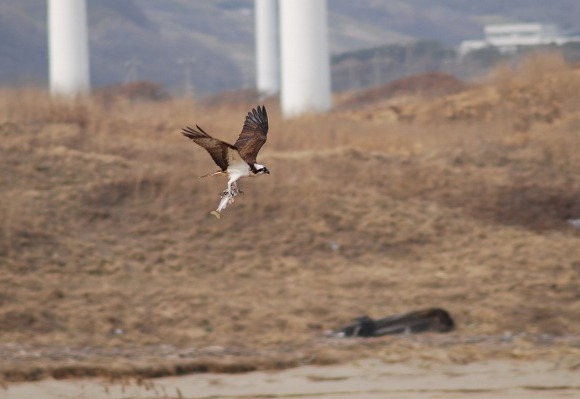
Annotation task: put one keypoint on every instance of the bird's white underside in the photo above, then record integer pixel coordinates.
(237, 168)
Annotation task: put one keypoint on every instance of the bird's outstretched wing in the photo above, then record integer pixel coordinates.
(220, 151)
(253, 135)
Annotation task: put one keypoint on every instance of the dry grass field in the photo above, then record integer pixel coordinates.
(110, 264)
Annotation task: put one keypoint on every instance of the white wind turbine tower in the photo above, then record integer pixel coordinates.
(267, 54)
(304, 57)
(68, 47)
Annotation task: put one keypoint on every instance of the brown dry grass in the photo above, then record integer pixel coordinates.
(541, 89)
(105, 242)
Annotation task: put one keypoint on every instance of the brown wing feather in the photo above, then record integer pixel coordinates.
(253, 135)
(217, 149)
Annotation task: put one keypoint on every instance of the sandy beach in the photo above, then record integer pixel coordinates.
(365, 379)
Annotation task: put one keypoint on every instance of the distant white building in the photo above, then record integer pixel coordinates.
(508, 37)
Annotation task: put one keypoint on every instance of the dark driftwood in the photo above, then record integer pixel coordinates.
(428, 320)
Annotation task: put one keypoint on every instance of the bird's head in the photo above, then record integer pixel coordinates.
(261, 169)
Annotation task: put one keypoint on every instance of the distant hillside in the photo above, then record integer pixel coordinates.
(158, 41)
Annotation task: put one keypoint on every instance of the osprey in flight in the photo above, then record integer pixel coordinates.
(238, 160)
